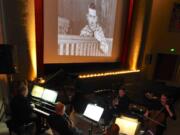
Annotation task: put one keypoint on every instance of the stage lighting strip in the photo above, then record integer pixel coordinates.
(107, 74)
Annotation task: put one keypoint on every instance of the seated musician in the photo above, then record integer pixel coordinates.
(61, 123)
(21, 109)
(159, 113)
(123, 102)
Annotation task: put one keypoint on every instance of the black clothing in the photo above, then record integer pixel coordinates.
(62, 125)
(123, 104)
(160, 129)
(121, 108)
(21, 110)
(22, 114)
(161, 112)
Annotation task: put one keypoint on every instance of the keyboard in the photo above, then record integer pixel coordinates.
(40, 111)
(42, 107)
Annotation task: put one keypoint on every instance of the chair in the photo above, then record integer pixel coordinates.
(24, 129)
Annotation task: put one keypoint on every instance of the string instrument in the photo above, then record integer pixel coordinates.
(156, 117)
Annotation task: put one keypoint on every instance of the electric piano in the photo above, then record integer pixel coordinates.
(43, 108)
(43, 100)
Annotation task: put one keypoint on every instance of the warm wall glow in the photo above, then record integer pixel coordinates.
(107, 73)
(137, 34)
(135, 54)
(30, 23)
(127, 125)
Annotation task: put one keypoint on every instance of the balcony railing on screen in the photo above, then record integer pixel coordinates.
(74, 45)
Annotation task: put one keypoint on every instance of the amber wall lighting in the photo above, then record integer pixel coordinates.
(92, 75)
(137, 27)
(30, 25)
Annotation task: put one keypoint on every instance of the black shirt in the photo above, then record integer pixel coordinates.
(162, 112)
(60, 124)
(123, 104)
(21, 109)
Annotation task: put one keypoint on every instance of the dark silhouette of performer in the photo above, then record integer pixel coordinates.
(21, 109)
(159, 112)
(119, 106)
(20, 106)
(61, 123)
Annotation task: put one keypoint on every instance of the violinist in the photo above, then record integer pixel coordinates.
(158, 114)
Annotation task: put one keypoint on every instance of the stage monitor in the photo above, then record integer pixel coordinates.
(37, 91)
(93, 112)
(49, 95)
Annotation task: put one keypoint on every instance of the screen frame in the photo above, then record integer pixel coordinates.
(117, 40)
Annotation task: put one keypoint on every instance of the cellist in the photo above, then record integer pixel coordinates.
(160, 111)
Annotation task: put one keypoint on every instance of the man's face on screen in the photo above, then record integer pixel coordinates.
(92, 20)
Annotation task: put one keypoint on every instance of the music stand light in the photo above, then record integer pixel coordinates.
(94, 113)
(127, 125)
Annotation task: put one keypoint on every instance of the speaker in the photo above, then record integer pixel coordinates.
(6, 59)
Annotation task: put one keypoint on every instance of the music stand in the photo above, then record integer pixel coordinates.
(94, 113)
(127, 125)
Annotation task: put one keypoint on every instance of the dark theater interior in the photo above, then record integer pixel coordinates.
(89, 67)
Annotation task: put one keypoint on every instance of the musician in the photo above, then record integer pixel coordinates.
(120, 105)
(123, 102)
(21, 109)
(162, 109)
(61, 123)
